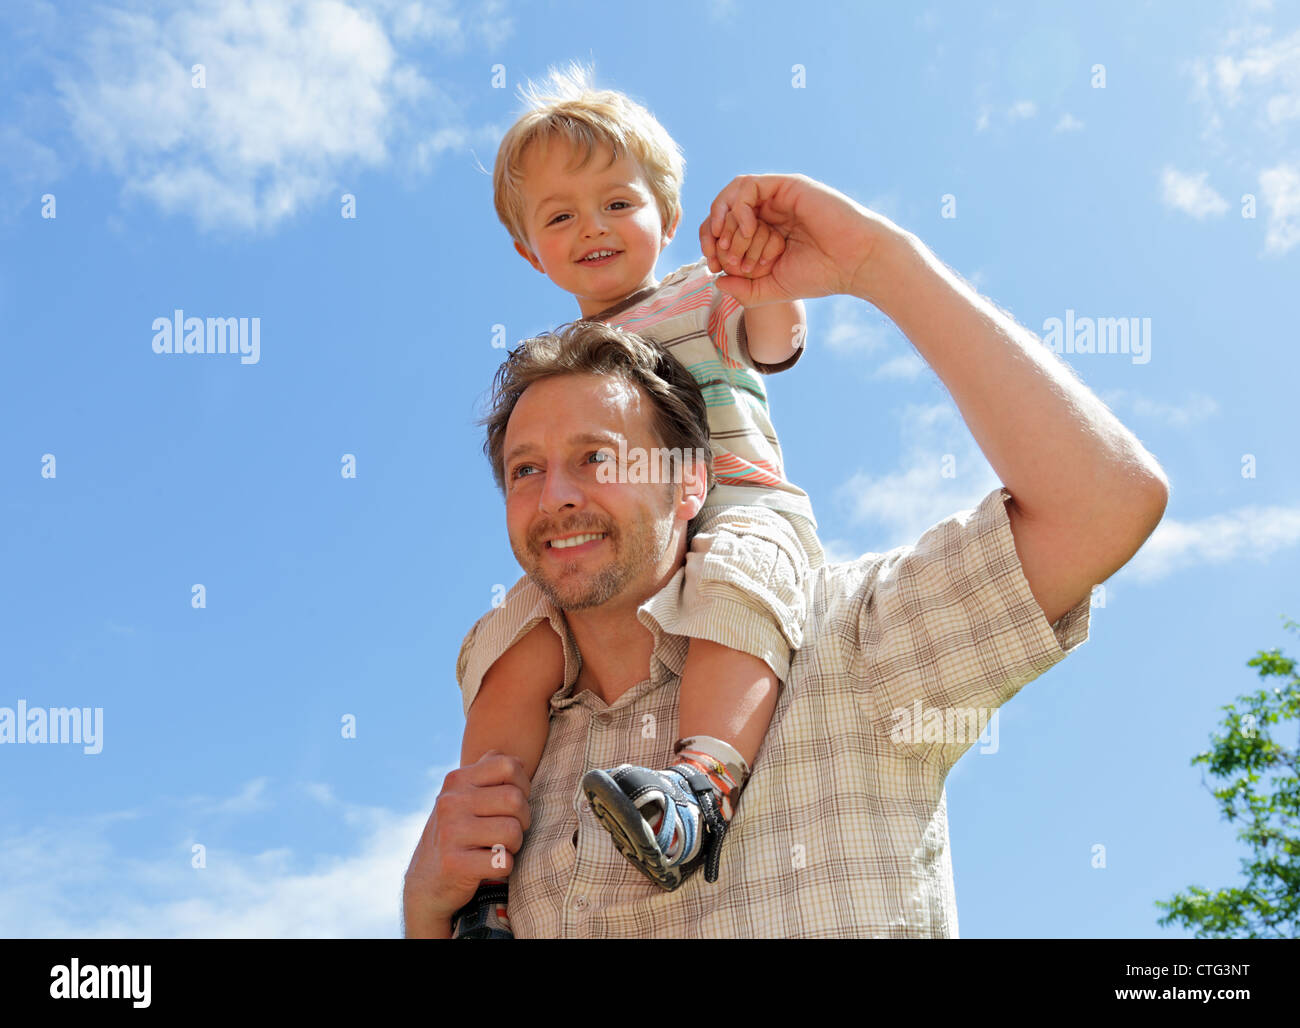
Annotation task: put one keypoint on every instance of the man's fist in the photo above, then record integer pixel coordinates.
(477, 825)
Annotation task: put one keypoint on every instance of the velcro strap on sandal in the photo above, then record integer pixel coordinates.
(637, 781)
(715, 825)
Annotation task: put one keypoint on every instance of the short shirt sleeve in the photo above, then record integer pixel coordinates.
(500, 628)
(949, 630)
(730, 338)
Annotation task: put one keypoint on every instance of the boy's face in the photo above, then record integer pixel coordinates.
(605, 208)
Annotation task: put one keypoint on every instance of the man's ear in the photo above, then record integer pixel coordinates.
(527, 255)
(695, 487)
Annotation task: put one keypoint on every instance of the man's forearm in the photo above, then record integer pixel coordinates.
(429, 930)
(1063, 456)
(418, 923)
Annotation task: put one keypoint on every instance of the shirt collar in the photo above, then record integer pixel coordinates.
(642, 295)
(667, 660)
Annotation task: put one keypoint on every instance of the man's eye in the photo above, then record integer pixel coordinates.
(519, 471)
(600, 456)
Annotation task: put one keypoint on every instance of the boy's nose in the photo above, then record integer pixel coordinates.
(593, 225)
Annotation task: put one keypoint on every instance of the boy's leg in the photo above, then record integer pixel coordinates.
(728, 695)
(662, 820)
(750, 594)
(510, 714)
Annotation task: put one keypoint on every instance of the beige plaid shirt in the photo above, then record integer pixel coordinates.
(843, 830)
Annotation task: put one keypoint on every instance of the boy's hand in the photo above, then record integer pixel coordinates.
(747, 246)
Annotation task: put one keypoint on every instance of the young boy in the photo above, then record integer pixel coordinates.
(588, 184)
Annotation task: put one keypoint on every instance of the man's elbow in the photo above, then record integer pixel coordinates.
(1158, 490)
(1150, 500)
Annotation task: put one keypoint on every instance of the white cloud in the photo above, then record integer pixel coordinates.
(427, 150)
(1068, 123)
(1191, 194)
(1249, 533)
(68, 880)
(1280, 186)
(898, 506)
(1251, 94)
(440, 21)
(26, 160)
(840, 551)
(890, 204)
(298, 96)
(1267, 65)
(1282, 108)
(252, 797)
(906, 366)
(856, 328)
(1197, 407)
(31, 167)
(1021, 109)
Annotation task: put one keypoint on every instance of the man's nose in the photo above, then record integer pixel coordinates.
(562, 492)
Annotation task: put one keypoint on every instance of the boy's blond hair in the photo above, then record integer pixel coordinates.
(568, 106)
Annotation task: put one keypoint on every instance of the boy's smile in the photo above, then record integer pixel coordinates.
(594, 230)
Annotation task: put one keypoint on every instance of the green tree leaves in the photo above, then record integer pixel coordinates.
(1262, 793)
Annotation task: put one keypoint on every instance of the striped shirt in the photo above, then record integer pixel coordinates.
(843, 829)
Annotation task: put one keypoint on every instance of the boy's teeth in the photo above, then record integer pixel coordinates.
(577, 540)
(599, 254)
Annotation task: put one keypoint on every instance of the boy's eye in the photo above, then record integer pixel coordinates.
(556, 219)
(620, 203)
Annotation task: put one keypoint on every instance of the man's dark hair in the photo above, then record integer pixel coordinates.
(593, 348)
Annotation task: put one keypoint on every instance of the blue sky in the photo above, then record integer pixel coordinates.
(1097, 163)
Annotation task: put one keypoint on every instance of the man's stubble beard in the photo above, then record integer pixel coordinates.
(635, 550)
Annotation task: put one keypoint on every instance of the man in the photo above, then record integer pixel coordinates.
(843, 828)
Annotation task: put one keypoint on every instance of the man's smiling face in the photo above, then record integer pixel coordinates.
(587, 539)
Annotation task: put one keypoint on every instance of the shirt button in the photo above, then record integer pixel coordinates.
(580, 903)
(586, 806)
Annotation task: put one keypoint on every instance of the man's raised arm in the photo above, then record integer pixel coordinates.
(1085, 493)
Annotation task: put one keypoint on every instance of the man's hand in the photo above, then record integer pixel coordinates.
(480, 806)
(828, 240)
